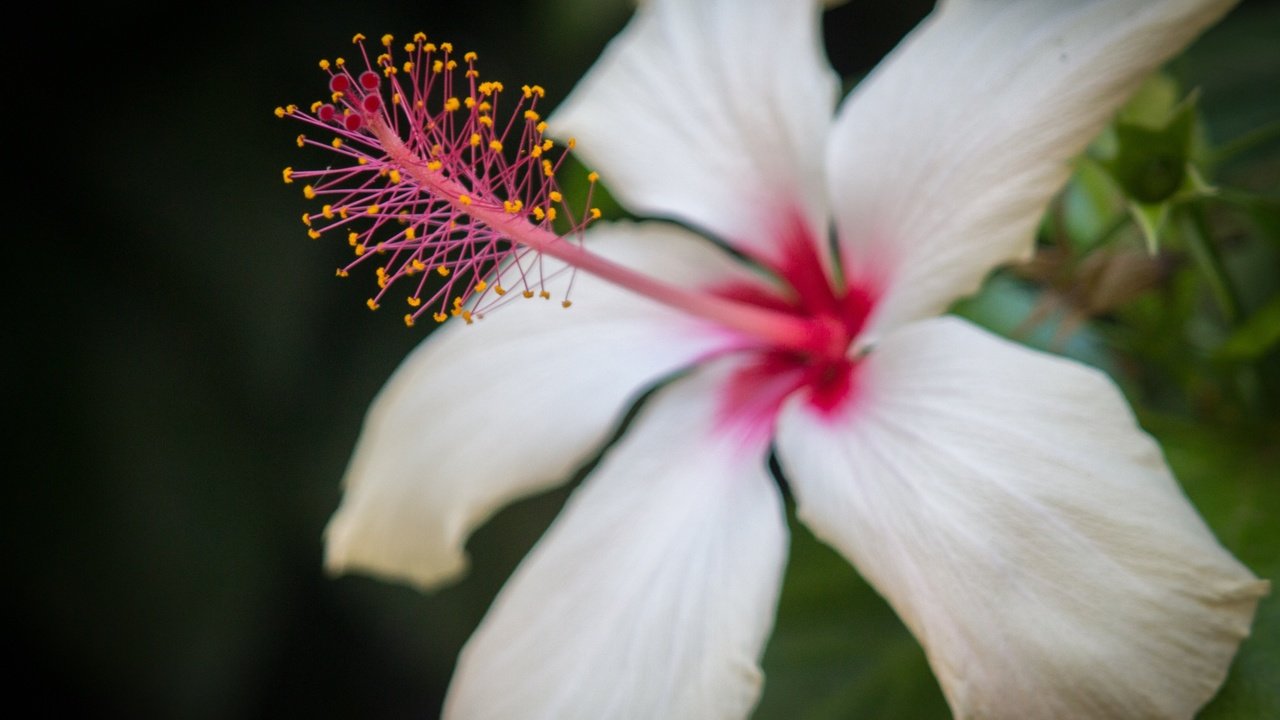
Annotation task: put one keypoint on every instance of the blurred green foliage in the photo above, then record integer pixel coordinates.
(190, 380)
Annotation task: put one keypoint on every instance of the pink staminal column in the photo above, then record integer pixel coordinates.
(449, 187)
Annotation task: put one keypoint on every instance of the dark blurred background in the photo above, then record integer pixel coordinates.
(187, 378)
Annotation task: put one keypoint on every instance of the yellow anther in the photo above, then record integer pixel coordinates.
(290, 109)
(544, 295)
(482, 286)
(437, 66)
(327, 211)
(359, 250)
(513, 206)
(337, 143)
(547, 168)
(452, 104)
(446, 47)
(353, 238)
(382, 59)
(536, 152)
(287, 173)
(475, 139)
(531, 116)
(324, 64)
(537, 90)
(337, 96)
(408, 321)
(555, 196)
(395, 98)
(528, 294)
(373, 304)
(566, 304)
(389, 70)
(339, 62)
(470, 57)
(279, 111)
(593, 176)
(573, 143)
(315, 106)
(362, 161)
(528, 91)
(485, 120)
(548, 144)
(451, 65)
(434, 165)
(539, 213)
(439, 317)
(551, 213)
(382, 248)
(387, 40)
(419, 37)
(541, 127)
(495, 146)
(457, 304)
(342, 213)
(309, 192)
(340, 273)
(442, 271)
(382, 282)
(313, 234)
(466, 316)
(408, 66)
(470, 102)
(473, 73)
(595, 213)
(410, 47)
(418, 265)
(499, 290)
(464, 199)
(306, 219)
(394, 176)
(302, 140)
(411, 234)
(372, 209)
(358, 37)
(429, 47)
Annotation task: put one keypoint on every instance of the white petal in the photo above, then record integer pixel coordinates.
(714, 112)
(943, 160)
(1027, 531)
(481, 415)
(652, 595)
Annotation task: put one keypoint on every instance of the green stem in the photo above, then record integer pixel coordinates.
(1246, 142)
(1199, 239)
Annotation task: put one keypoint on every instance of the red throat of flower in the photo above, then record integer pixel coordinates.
(826, 376)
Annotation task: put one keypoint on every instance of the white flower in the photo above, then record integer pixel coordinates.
(1004, 501)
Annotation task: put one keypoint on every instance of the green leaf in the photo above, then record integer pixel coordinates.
(1255, 336)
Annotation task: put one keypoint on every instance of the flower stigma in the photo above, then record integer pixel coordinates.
(448, 186)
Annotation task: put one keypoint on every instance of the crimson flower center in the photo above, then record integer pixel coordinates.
(825, 373)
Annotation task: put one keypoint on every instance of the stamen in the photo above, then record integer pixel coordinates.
(435, 181)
